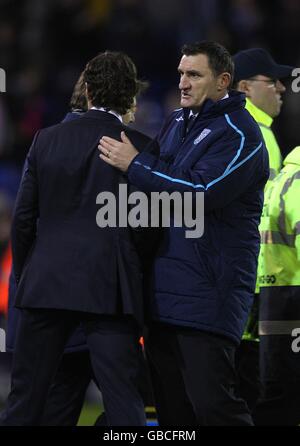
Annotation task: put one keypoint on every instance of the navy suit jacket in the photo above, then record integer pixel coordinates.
(66, 261)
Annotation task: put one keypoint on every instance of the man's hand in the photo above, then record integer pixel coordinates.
(117, 154)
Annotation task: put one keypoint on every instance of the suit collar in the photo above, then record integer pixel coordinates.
(101, 115)
(112, 112)
(70, 116)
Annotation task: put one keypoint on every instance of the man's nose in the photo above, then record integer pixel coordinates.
(280, 87)
(184, 83)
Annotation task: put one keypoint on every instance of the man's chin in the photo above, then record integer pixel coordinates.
(276, 112)
(185, 103)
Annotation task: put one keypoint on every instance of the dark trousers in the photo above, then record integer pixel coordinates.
(247, 360)
(247, 367)
(193, 378)
(112, 342)
(67, 392)
(280, 375)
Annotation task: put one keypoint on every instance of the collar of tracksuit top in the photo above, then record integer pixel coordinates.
(194, 115)
(211, 109)
(177, 134)
(259, 115)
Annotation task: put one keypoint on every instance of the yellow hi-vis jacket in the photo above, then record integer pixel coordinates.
(279, 261)
(275, 161)
(265, 121)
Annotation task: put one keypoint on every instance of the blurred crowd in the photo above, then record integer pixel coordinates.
(44, 45)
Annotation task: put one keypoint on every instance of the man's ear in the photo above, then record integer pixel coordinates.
(243, 86)
(224, 81)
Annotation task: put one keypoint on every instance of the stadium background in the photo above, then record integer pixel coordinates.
(44, 45)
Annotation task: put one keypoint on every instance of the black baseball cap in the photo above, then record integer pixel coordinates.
(249, 63)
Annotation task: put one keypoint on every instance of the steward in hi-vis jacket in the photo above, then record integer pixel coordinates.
(259, 77)
(279, 312)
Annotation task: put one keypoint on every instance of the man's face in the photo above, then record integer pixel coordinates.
(266, 93)
(197, 81)
(129, 117)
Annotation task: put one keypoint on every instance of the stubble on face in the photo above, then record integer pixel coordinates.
(197, 81)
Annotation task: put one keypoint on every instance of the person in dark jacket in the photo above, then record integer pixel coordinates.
(70, 271)
(66, 396)
(67, 392)
(202, 287)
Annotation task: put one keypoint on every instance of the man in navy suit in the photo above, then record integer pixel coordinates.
(67, 392)
(69, 271)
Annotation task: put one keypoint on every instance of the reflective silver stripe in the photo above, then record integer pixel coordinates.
(276, 238)
(273, 174)
(277, 327)
(281, 217)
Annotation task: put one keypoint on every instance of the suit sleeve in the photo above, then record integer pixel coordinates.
(227, 169)
(26, 213)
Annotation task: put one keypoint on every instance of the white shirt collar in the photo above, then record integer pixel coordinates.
(112, 112)
(193, 114)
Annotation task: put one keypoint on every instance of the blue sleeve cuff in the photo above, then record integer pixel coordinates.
(140, 162)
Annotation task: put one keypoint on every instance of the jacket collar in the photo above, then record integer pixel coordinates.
(259, 115)
(112, 112)
(70, 116)
(212, 109)
(102, 115)
(293, 157)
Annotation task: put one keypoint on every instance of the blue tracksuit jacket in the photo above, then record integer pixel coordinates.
(208, 283)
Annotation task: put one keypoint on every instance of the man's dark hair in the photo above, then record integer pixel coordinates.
(219, 59)
(142, 86)
(78, 100)
(111, 81)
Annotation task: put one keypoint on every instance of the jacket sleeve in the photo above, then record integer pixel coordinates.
(226, 170)
(292, 212)
(26, 213)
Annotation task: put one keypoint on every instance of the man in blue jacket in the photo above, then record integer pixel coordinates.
(202, 288)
